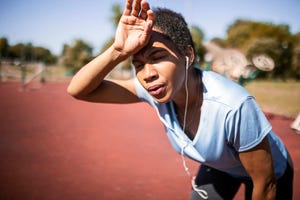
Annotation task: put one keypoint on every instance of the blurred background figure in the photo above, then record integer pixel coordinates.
(233, 64)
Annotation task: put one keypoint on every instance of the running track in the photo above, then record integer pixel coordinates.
(53, 147)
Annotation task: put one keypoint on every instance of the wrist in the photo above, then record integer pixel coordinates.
(117, 54)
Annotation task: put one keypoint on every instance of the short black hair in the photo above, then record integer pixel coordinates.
(174, 26)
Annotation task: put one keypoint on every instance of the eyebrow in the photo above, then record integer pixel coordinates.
(153, 51)
(148, 53)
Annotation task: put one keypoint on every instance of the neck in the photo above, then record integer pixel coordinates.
(194, 84)
(188, 110)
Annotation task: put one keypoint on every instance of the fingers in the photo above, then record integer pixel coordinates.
(145, 7)
(150, 16)
(150, 21)
(137, 8)
(128, 7)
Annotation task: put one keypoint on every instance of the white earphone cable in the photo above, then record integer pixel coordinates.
(202, 193)
(187, 92)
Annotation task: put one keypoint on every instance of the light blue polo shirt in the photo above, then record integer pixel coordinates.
(230, 122)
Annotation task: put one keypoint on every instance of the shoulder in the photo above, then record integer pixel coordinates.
(222, 90)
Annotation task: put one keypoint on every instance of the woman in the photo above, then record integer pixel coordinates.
(207, 117)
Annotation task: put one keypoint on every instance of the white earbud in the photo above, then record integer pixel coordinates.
(187, 61)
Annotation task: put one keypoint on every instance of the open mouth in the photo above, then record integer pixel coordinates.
(156, 90)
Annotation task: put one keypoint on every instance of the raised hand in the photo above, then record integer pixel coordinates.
(135, 27)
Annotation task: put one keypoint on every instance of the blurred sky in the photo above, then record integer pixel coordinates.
(53, 23)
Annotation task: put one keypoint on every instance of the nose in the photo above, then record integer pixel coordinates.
(149, 73)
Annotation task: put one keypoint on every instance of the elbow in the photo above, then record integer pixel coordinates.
(73, 92)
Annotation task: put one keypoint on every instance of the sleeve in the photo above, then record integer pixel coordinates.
(142, 93)
(247, 126)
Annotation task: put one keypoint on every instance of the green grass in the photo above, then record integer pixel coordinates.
(276, 97)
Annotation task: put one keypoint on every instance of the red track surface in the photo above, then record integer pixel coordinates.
(54, 147)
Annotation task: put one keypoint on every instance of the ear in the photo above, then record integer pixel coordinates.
(189, 52)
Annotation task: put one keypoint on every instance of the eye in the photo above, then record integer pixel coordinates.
(138, 65)
(158, 57)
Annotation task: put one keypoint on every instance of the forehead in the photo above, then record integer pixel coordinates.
(158, 40)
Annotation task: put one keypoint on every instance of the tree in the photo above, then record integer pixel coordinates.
(44, 55)
(219, 41)
(3, 47)
(29, 53)
(198, 36)
(107, 44)
(296, 56)
(16, 52)
(117, 14)
(259, 37)
(241, 33)
(270, 47)
(76, 55)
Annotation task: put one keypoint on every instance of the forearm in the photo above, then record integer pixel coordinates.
(258, 163)
(265, 192)
(90, 76)
(133, 33)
